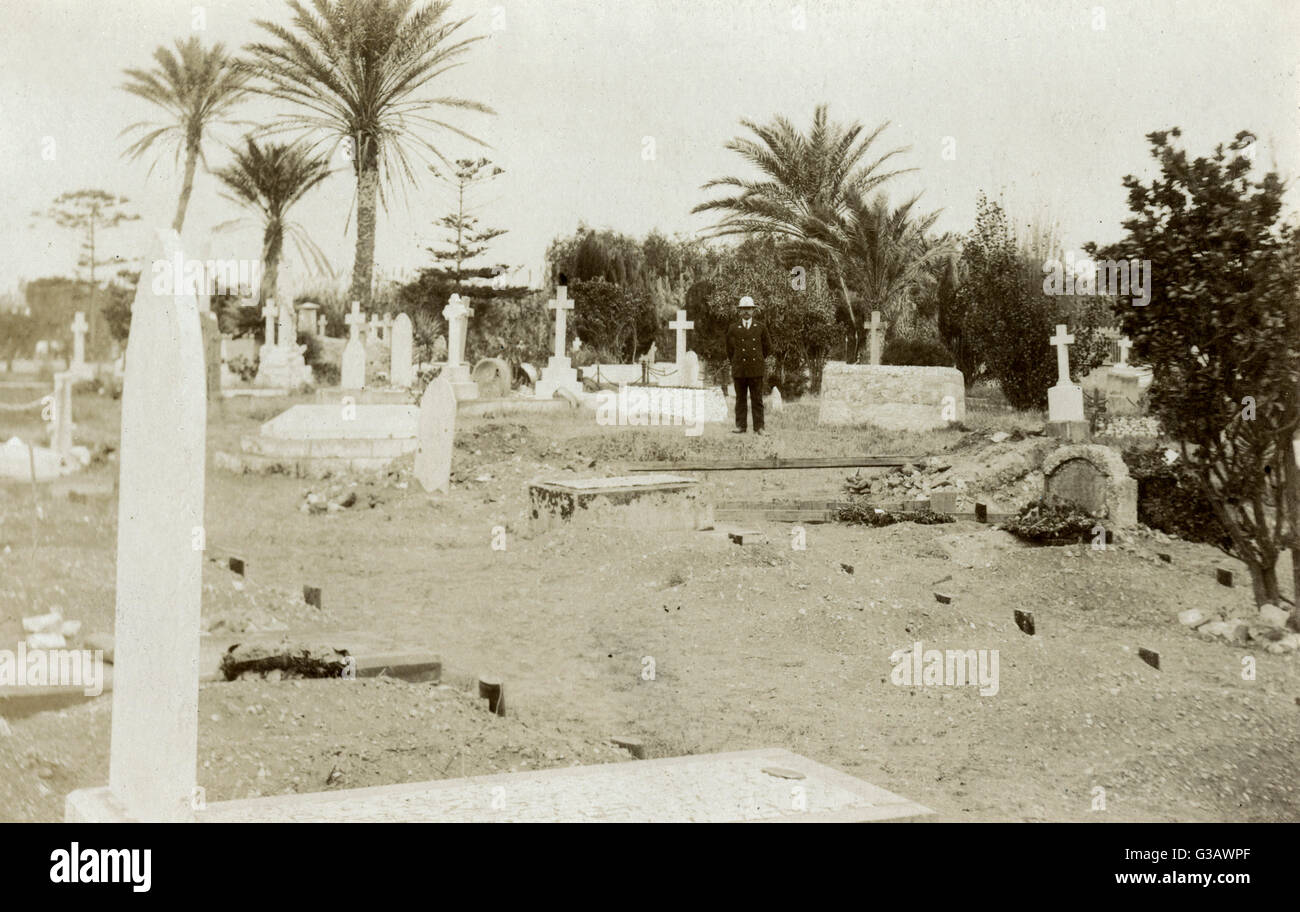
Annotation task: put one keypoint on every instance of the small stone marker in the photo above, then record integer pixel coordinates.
(1025, 621)
(311, 595)
(847, 568)
(437, 432)
(1167, 558)
(736, 537)
(632, 745)
(236, 565)
(981, 512)
(943, 598)
(401, 372)
(1151, 658)
(493, 691)
(1223, 575)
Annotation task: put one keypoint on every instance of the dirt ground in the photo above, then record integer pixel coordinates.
(756, 645)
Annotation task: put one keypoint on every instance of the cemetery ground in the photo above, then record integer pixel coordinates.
(753, 645)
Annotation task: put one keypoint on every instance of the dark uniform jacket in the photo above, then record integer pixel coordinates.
(748, 349)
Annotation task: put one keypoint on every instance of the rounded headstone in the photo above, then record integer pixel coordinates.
(493, 378)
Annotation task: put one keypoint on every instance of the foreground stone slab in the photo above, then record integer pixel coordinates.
(650, 501)
(770, 785)
(892, 397)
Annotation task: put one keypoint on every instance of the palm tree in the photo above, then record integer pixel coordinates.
(885, 253)
(197, 87)
(354, 70)
(805, 185)
(270, 180)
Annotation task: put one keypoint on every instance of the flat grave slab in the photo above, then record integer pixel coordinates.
(769, 785)
(562, 498)
(334, 422)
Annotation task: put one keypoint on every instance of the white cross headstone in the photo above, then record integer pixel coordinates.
(1062, 340)
(1125, 343)
(559, 373)
(1065, 399)
(154, 747)
(401, 372)
(457, 314)
(79, 327)
(874, 327)
(681, 324)
(561, 305)
(436, 432)
(353, 374)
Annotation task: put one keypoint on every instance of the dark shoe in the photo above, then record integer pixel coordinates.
(759, 434)
(737, 430)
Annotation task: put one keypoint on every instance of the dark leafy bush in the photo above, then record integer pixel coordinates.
(1171, 499)
(917, 352)
(1049, 521)
(862, 513)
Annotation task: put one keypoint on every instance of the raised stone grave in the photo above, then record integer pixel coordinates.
(1094, 478)
(565, 498)
(894, 397)
(316, 440)
(770, 785)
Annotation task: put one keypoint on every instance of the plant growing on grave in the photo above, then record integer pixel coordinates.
(1222, 334)
(270, 180)
(804, 186)
(197, 88)
(916, 352)
(1050, 520)
(862, 513)
(358, 75)
(1008, 318)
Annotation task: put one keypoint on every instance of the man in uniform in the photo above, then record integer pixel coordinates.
(748, 346)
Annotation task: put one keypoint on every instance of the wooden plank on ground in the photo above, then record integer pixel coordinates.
(796, 462)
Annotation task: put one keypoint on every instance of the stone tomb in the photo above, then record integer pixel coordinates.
(314, 440)
(642, 501)
(153, 768)
(1093, 477)
(894, 397)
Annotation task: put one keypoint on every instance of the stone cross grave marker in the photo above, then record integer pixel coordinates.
(681, 324)
(154, 746)
(1062, 340)
(1125, 343)
(876, 336)
(437, 432)
(401, 372)
(1065, 399)
(561, 305)
(269, 313)
(354, 353)
(457, 314)
(79, 327)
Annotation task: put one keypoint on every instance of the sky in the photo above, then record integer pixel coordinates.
(1044, 106)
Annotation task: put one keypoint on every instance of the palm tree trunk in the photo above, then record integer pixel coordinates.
(363, 265)
(191, 160)
(272, 243)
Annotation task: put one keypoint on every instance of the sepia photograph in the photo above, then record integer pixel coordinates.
(676, 411)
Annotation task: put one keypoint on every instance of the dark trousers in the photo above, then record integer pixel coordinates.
(745, 387)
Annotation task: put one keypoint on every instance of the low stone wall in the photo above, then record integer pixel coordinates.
(894, 397)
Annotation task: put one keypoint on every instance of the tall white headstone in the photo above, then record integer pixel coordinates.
(159, 555)
(1065, 399)
(681, 324)
(559, 372)
(436, 431)
(402, 372)
(354, 353)
(877, 337)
